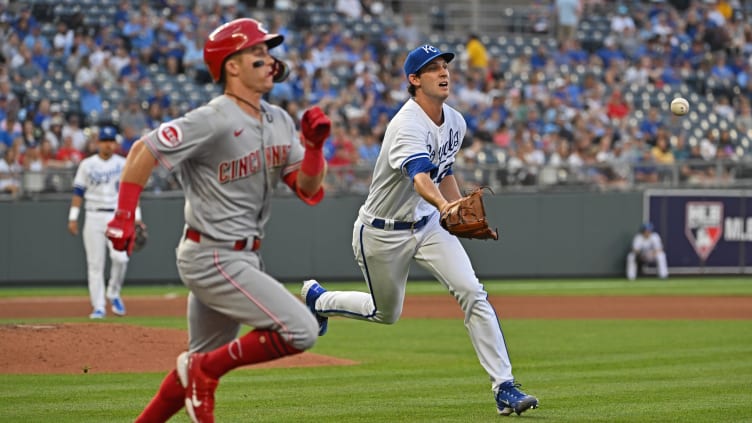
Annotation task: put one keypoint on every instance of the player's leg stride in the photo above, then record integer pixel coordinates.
(510, 399)
(199, 388)
(310, 293)
(168, 400)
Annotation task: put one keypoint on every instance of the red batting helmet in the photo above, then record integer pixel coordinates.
(232, 37)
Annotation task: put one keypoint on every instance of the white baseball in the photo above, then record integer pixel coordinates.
(679, 106)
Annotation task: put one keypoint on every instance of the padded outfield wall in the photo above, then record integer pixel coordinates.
(541, 235)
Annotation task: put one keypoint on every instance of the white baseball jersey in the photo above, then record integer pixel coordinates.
(97, 181)
(411, 135)
(647, 246)
(384, 246)
(650, 250)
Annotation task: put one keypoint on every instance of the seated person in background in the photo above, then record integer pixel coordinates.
(646, 248)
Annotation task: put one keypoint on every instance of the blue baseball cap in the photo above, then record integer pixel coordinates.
(647, 226)
(421, 56)
(107, 133)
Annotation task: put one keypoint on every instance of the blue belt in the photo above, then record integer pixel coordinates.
(103, 210)
(400, 226)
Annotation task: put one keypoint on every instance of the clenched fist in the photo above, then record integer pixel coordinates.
(121, 231)
(315, 127)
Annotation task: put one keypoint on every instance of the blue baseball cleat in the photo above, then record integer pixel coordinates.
(97, 314)
(118, 307)
(310, 293)
(510, 399)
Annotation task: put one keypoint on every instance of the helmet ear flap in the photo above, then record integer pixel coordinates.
(281, 70)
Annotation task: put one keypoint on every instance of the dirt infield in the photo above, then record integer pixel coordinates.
(71, 348)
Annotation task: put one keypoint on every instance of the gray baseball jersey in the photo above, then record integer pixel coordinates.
(228, 162)
(228, 185)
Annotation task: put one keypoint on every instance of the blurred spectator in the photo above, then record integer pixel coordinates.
(91, 101)
(130, 136)
(30, 133)
(73, 129)
(54, 133)
(23, 69)
(134, 71)
(31, 159)
(696, 169)
(10, 129)
(622, 23)
(477, 56)
(68, 155)
(10, 171)
(345, 151)
(408, 32)
(568, 14)
(650, 124)
(133, 116)
(645, 170)
(369, 150)
(350, 8)
(63, 38)
(86, 73)
(617, 107)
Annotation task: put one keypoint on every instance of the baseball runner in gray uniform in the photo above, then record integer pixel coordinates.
(399, 223)
(229, 155)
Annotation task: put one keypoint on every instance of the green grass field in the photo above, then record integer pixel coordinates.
(426, 371)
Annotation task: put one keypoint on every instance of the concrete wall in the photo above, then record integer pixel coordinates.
(542, 235)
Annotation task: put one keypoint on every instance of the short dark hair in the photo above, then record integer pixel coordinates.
(410, 87)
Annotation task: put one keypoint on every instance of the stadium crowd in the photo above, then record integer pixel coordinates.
(588, 105)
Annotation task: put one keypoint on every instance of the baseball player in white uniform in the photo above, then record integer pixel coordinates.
(97, 179)
(229, 155)
(399, 223)
(646, 248)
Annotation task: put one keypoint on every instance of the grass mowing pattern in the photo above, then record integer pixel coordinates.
(426, 371)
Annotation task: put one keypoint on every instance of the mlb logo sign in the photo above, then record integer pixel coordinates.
(704, 226)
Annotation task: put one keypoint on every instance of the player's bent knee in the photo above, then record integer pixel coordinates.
(307, 336)
(386, 319)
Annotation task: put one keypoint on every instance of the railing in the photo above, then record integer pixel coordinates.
(345, 180)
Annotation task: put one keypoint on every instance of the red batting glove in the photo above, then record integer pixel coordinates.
(316, 127)
(121, 231)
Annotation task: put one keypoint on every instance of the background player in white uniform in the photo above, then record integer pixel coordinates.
(646, 248)
(97, 179)
(229, 155)
(399, 223)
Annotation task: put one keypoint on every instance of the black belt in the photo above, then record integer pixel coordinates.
(400, 226)
(104, 210)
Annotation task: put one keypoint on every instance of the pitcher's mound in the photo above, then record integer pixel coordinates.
(71, 348)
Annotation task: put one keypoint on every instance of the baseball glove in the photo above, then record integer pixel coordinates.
(140, 236)
(466, 217)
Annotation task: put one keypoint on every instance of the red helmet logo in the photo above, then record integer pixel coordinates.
(232, 37)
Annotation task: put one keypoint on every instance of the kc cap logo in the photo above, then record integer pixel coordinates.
(421, 56)
(107, 133)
